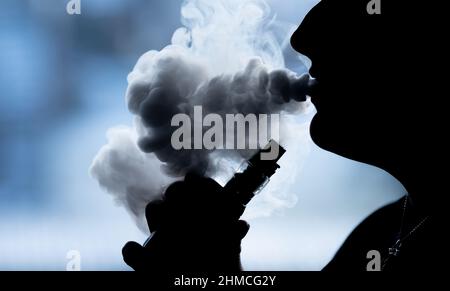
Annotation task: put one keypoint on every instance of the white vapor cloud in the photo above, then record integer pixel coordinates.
(130, 175)
(228, 58)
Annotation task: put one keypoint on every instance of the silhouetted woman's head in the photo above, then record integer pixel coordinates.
(373, 94)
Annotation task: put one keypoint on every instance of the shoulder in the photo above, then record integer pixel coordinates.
(371, 234)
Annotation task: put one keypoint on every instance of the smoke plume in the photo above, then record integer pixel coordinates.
(227, 58)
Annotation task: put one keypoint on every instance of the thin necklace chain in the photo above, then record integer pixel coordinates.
(399, 237)
(395, 249)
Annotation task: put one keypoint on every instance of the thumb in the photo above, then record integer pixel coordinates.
(242, 228)
(133, 255)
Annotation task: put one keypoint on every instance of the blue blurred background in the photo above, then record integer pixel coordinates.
(62, 85)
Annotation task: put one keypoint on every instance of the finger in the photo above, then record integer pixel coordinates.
(154, 214)
(195, 186)
(133, 255)
(175, 191)
(192, 177)
(230, 236)
(242, 228)
(212, 185)
(238, 231)
(202, 188)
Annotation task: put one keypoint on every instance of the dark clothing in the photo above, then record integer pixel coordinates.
(380, 232)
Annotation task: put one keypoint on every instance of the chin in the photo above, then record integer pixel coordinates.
(330, 137)
(320, 135)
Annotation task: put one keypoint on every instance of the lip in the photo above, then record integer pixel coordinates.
(314, 92)
(313, 72)
(313, 86)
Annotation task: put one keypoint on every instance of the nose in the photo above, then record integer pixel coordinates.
(299, 40)
(303, 39)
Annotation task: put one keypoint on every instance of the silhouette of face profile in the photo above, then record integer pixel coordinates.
(343, 43)
(372, 84)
